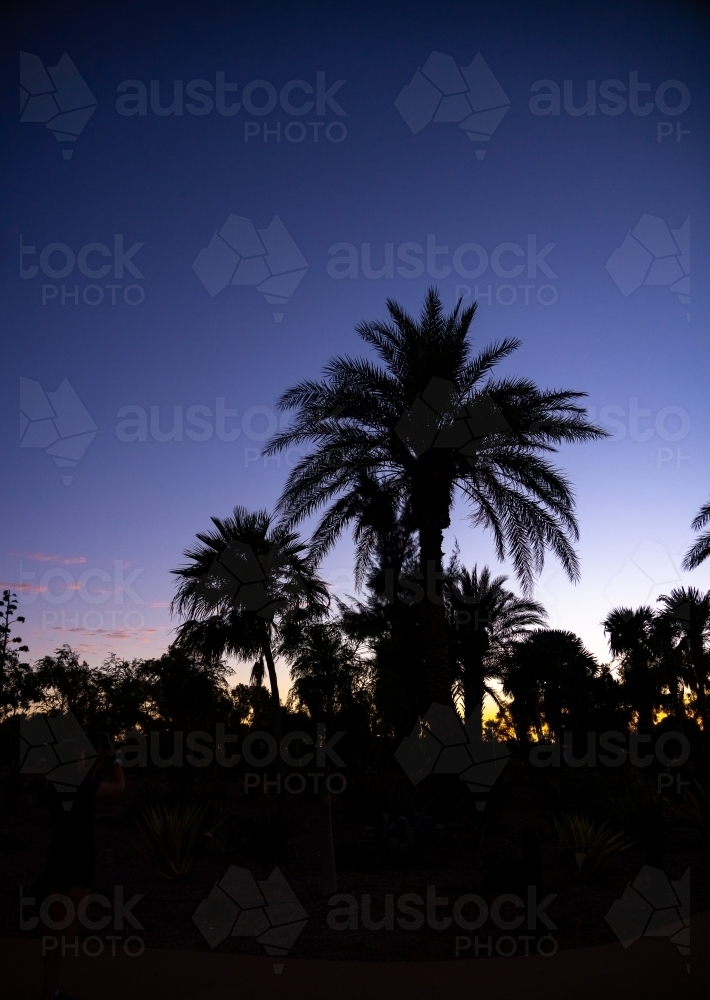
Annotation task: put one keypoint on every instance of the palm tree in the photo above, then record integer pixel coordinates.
(633, 642)
(700, 551)
(485, 619)
(328, 673)
(549, 675)
(687, 610)
(426, 424)
(245, 579)
(325, 666)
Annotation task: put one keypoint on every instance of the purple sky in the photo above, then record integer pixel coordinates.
(570, 228)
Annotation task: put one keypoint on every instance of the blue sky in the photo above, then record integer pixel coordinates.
(93, 557)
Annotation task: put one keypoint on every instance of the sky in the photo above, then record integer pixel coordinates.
(548, 160)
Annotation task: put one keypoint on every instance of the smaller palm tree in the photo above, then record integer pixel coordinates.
(687, 611)
(244, 581)
(485, 619)
(700, 550)
(327, 673)
(326, 668)
(549, 675)
(633, 640)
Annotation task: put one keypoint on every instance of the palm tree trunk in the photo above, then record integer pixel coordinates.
(273, 684)
(278, 728)
(436, 647)
(678, 691)
(473, 685)
(645, 719)
(329, 875)
(702, 701)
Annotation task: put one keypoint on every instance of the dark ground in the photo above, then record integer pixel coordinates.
(476, 858)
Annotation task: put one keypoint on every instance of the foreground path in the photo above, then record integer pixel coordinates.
(651, 968)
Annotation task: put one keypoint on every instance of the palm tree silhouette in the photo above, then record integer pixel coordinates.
(633, 641)
(281, 586)
(327, 673)
(687, 610)
(549, 674)
(428, 423)
(700, 550)
(486, 618)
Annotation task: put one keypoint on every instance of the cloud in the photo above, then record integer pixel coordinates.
(45, 557)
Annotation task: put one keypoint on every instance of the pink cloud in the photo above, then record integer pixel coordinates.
(25, 588)
(45, 557)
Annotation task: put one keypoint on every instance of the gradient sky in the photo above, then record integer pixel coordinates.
(169, 182)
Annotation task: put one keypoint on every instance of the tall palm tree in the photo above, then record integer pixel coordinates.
(632, 638)
(687, 610)
(244, 580)
(485, 619)
(700, 550)
(428, 423)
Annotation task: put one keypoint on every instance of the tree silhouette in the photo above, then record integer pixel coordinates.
(241, 615)
(549, 676)
(14, 676)
(687, 611)
(632, 638)
(700, 550)
(485, 619)
(426, 424)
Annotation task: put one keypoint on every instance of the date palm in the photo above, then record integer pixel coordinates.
(218, 623)
(700, 550)
(428, 423)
